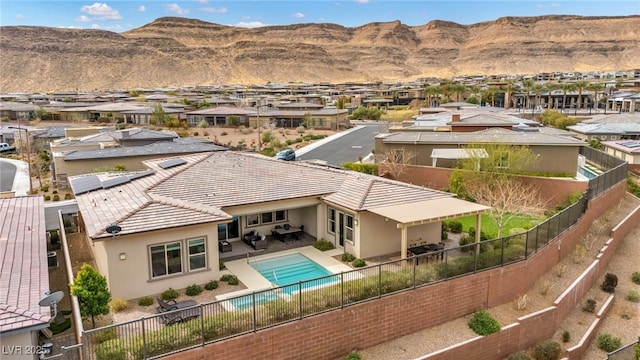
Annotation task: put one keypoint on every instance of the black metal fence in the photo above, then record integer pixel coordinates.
(627, 352)
(151, 337)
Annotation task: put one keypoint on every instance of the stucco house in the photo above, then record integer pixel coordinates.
(556, 154)
(25, 275)
(171, 217)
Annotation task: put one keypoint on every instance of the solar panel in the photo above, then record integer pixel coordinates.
(85, 184)
(115, 182)
(141, 174)
(172, 163)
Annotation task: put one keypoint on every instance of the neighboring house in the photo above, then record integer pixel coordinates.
(606, 131)
(219, 116)
(477, 121)
(318, 119)
(627, 150)
(144, 115)
(171, 217)
(76, 162)
(556, 154)
(17, 111)
(24, 276)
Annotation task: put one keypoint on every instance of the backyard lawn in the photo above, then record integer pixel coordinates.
(490, 228)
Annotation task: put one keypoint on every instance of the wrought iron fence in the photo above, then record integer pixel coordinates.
(627, 352)
(159, 335)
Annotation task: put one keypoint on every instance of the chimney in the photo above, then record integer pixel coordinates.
(455, 117)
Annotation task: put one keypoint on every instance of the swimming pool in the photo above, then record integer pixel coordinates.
(291, 269)
(587, 173)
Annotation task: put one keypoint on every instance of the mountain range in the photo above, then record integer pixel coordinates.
(178, 51)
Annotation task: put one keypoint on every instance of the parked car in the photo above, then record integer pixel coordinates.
(6, 148)
(286, 154)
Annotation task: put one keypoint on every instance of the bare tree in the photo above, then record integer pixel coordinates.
(395, 162)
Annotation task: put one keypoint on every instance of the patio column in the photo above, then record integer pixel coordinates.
(403, 241)
(478, 230)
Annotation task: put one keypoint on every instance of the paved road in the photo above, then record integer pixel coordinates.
(348, 147)
(7, 173)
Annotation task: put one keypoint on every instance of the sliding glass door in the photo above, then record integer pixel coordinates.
(229, 231)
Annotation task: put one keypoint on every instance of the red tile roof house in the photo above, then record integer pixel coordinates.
(172, 216)
(24, 275)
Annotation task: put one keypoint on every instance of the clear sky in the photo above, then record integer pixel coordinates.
(123, 15)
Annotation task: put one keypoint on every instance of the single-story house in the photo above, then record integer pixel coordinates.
(606, 131)
(314, 118)
(25, 276)
(557, 154)
(219, 116)
(627, 150)
(160, 228)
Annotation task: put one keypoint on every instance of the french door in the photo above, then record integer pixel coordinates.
(230, 230)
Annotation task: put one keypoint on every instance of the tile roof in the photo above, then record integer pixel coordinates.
(24, 274)
(199, 190)
(167, 148)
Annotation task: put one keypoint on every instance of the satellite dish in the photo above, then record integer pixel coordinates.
(52, 300)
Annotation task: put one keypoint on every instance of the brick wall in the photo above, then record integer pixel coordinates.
(333, 334)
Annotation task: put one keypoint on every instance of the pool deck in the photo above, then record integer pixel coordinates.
(256, 282)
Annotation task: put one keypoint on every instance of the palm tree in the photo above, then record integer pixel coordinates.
(596, 88)
(550, 87)
(528, 85)
(458, 89)
(565, 88)
(432, 92)
(509, 88)
(580, 85)
(537, 89)
(490, 94)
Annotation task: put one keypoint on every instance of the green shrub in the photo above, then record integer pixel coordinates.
(455, 226)
(354, 355)
(221, 265)
(323, 245)
(566, 337)
(104, 335)
(233, 280)
(47, 198)
(358, 263)
(55, 192)
(145, 301)
(118, 305)
(58, 328)
(225, 277)
(348, 257)
(633, 296)
(224, 133)
(636, 349)
(193, 290)
(610, 282)
(56, 197)
(44, 188)
(169, 294)
(483, 324)
(547, 350)
(635, 277)
(68, 196)
(608, 343)
(211, 285)
(519, 356)
(111, 350)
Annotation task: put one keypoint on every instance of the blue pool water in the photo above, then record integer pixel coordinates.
(291, 269)
(246, 301)
(587, 173)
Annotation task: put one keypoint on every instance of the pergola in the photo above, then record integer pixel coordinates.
(429, 211)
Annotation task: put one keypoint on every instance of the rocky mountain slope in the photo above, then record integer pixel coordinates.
(178, 51)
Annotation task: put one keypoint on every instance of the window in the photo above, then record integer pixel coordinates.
(197, 254)
(253, 220)
(267, 218)
(348, 227)
(332, 220)
(166, 259)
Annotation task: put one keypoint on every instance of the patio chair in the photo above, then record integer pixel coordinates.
(174, 317)
(169, 305)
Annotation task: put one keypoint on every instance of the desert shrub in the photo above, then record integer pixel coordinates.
(300, 129)
(610, 282)
(323, 245)
(455, 226)
(55, 192)
(56, 197)
(145, 301)
(211, 285)
(44, 188)
(357, 263)
(633, 296)
(203, 124)
(608, 343)
(354, 355)
(68, 196)
(193, 290)
(636, 349)
(483, 324)
(225, 277)
(104, 335)
(118, 305)
(224, 133)
(635, 277)
(221, 265)
(348, 257)
(233, 280)
(519, 356)
(47, 198)
(169, 294)
(195, 133)
(566, 337)
(547, 350)
(111, 350)
(590, 306)
(545, 287)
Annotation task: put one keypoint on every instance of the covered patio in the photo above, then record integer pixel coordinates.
(426, 212)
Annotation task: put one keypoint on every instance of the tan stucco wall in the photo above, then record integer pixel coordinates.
(19, 346)
(78, 167)
(131, 278)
